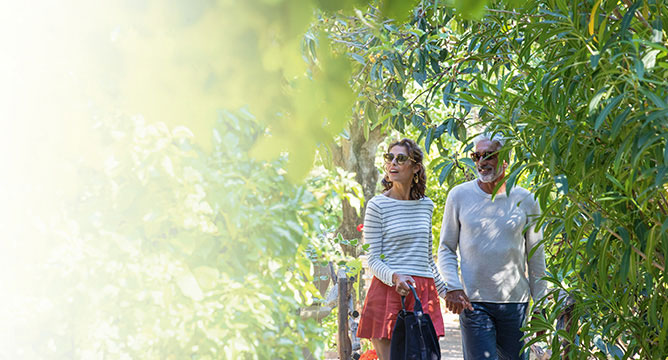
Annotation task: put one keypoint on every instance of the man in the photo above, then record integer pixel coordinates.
(495, 238)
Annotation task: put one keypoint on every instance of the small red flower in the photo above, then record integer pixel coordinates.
(360, 227)
(369, 355)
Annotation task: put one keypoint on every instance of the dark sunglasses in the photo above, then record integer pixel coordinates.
(476, 156)
(401, 158)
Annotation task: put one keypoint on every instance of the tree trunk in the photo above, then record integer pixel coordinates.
(357, 155)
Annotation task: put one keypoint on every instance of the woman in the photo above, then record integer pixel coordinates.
(397, 227)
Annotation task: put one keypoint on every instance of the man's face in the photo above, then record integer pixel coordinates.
(488, 169)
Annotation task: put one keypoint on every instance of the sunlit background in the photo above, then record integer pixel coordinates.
(117, 219)
(153, 202)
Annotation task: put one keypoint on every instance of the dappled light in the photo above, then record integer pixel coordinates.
(189, 179)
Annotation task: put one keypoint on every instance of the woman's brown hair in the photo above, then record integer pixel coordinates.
(415, 153)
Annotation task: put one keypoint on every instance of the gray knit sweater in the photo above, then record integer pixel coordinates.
(494, 239)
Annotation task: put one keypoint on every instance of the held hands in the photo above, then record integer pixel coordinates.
(401, 283)
(456, 301)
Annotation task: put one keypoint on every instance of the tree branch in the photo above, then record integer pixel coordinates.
(514, 13)
(350, 44)
(431, 87)
(638, 14)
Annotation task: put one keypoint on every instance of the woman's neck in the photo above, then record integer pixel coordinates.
(399, 191)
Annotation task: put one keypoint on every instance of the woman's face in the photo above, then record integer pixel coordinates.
(397, 172)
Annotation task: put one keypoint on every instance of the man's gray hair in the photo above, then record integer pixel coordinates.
(498, 137)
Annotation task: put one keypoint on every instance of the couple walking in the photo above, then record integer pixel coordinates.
(497, 275)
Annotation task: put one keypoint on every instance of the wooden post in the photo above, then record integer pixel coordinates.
(345, 346)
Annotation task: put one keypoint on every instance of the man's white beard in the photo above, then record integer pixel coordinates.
(491, 177)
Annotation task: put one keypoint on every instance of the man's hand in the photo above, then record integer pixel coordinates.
(456, 301)
(401, 283)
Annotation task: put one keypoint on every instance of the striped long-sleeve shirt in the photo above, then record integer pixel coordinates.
(400, 239)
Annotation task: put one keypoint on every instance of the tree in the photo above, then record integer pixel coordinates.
(138, 221)
(580, 90)
(173, 252)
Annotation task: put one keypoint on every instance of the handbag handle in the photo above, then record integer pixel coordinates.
(417, 308)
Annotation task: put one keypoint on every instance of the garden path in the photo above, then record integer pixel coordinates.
(451, 343)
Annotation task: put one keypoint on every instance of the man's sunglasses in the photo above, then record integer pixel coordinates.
(401, 158)
(476, 156)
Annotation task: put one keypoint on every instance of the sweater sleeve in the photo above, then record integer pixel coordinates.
(449, 240)
(536, 262)
(373, 236)
(438, 279)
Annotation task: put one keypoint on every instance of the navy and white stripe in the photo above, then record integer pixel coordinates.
(401, 231)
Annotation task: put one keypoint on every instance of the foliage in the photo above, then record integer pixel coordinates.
(602, 147)
(172, 252)
(142, 240)
(150, 239)
(176, 62)
(580, 91)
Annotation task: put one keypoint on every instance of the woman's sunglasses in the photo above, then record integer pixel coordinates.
(476, 156)
(401, 158)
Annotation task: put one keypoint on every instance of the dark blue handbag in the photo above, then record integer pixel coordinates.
(414, 336)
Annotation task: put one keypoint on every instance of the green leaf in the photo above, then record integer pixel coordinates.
(639, 68)
(663, 335)
(649, 60)
(617, 123)
(593, 104)
(445, 172)
(472, 9)
(624, 234)
(606, 110)
(655, 99)
(371, 113)
(562, 184)
(555, 14)
(660, 176)
(624, 267)
(447, 93)
(649, 249)
(207, 277)
(615, 182)
(590, 241)
(189, 287)
(513, 177)
(664, 227)
(626, 20)
(597, 219)
(358, 58)
(593, 60)
(460, 132)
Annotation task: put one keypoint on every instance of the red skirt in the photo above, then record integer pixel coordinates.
(383, 303)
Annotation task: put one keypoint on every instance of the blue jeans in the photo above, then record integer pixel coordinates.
(492, 331)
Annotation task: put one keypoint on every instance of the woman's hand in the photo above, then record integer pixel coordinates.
(456, 301)
(401, 283)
